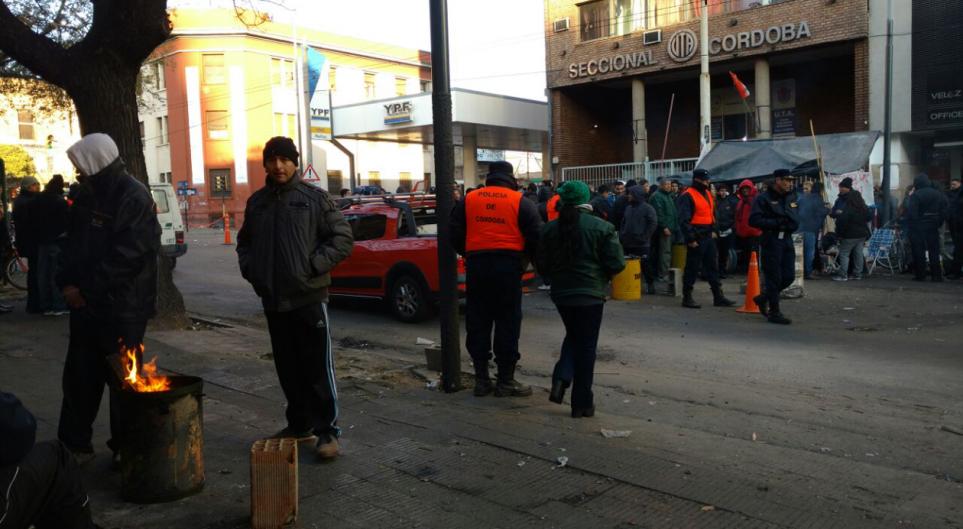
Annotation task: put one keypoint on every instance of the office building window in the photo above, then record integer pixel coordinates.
(425, 86)
(160, 82)
(286, 125)
(220, 180)
(164, 178)
(401, 86)
(213, 69)
(369, 85)
(27, 128)
(594, 20)
(333, 79)
(282, 73)
(162, 130)
(374, 178)
(217, 125)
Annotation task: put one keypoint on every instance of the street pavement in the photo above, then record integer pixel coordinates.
(850, 417)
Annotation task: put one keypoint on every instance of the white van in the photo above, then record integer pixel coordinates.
(169, 216)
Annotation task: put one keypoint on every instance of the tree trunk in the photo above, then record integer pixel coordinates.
(106, 102)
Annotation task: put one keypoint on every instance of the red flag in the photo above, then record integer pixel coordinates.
(741, 88)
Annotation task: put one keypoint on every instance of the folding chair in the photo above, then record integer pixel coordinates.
(882, 251)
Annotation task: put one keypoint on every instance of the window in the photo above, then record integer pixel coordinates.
(286, 125)
(213, 69)
(162, 130)
(160, 82)
(401, 86)
(140, 127)
(425, 86)
(164, 178)
(367, 227)
(628, 16)
(369, 84)
(220, 180)
(332, 79)
(374, 178)
(160, 200)
(282, 73)
(594, 19)
(25, 120)
(217, 125)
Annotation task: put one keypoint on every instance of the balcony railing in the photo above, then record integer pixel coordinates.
(596, 175)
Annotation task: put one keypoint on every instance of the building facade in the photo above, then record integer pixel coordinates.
(43, 127)
(219, 88)
(623, 75)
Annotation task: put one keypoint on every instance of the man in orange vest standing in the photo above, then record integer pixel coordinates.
(496, 230)
(697, 221)
(551, 208)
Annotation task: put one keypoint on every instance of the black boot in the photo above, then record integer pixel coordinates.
(777, 317)
(763, 302)
(587, 411)
(483, 381)
(558, 390)
(719, 299)
(507, 386)
(687, 300)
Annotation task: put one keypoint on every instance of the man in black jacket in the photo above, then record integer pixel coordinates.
(40, 483)
(725, 222)
(776, 213)
(293, 236)
(638, 224)
(696, 207)
(51, 213)
(27, 228)
(925, 213)
(497, 231)
(110, 284)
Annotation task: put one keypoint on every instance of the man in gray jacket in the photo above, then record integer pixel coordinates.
(293, 236)
(638, 224)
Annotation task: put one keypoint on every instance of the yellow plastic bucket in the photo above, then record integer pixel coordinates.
(627, 285)
(678, 256)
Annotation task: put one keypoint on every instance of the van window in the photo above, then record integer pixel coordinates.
(367, 227)
(160, 198)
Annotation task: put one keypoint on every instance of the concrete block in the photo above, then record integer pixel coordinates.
(675, 282)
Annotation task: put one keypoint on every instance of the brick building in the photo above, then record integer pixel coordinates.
(614, 68)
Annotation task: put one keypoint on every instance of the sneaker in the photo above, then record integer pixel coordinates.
(6, 308)
(56, 312)
(512, 388)
(327, 447)
(289, 433)
(840, 278)
(856, 278)
(545, 287)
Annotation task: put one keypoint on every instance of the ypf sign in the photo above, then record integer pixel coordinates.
(682, 46)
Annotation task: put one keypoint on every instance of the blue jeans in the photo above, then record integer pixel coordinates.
(49, 296)
(576, 363)
(809, 252)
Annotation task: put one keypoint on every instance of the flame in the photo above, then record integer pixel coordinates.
(144, 379)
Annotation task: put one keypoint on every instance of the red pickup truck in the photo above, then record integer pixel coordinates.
(395, 255)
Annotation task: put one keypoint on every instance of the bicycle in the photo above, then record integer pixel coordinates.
(14, 271)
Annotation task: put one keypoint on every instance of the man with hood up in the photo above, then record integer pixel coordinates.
(109, 280)
(925, 213)
(638, 224)
(497, 231)
(293, 236)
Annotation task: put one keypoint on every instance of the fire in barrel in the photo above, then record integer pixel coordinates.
(161, 424)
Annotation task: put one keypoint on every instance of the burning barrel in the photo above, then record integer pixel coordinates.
(162, 443)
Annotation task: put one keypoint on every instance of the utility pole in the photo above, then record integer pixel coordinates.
(445, 185)
(888, 116)
(705, 110)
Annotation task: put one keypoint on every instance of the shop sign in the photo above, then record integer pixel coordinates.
(618, 63)
(490, 155)
(784, 122)
(396, 113)
(753, 39)
(944, 101)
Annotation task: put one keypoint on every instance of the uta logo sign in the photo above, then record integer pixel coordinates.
(682, 45)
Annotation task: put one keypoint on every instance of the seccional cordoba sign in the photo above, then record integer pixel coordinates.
(683, 45)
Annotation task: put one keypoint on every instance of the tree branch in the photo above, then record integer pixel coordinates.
(39, 54)
(129, 30)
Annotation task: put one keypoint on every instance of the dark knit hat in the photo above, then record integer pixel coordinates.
(500, 172)
(782, 173)
(18, 430)
(280, 146)
(701, 174)
(847, 183)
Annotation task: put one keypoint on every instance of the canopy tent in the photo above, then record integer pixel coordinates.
(736, 160)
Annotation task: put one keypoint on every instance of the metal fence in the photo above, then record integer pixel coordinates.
(596, 175)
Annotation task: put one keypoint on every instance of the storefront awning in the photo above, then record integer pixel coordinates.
(736, 160)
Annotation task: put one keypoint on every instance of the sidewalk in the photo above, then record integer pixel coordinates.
(420, 458)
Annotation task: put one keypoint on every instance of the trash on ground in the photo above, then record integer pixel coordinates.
(424, 341)
(521, 463)
(432, 384)
(562, 461)
(754, 436)
(708, 508)
(612, 434)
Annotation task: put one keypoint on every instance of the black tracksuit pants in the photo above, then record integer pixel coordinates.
(45, 491)
(493, 299)
(576, 363)
(703, 258)
(923, 240)
(778, 258)
(86, 372)
(301, 344)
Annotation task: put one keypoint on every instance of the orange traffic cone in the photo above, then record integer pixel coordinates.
(752, 287)
(227, 229)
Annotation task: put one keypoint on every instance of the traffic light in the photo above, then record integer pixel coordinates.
(50, 141)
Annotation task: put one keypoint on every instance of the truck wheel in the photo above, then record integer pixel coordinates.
(408, 299)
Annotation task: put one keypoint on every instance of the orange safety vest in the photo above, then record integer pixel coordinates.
(552, 208)
(491, 215)
(702, 213)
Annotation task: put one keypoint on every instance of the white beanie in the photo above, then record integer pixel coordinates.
(93, 153)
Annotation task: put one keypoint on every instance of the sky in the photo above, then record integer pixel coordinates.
(496, 46)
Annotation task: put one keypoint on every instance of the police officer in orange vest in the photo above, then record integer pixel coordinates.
(496, 230)
(696, 208)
